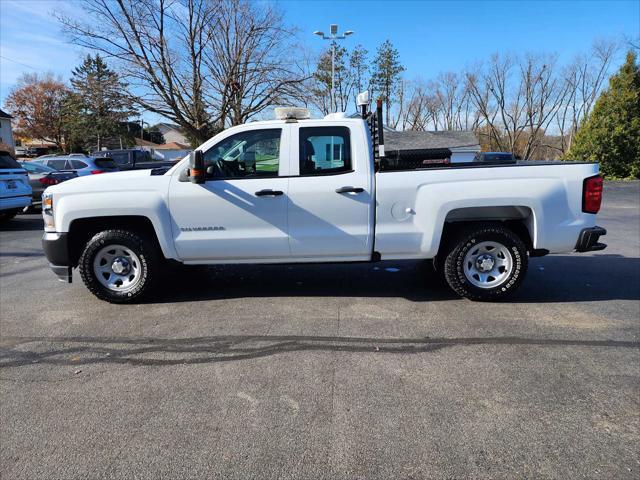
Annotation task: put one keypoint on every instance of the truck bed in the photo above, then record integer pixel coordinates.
(412, 210)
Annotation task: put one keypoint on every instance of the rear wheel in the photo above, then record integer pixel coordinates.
(119, 266)
(486, 263)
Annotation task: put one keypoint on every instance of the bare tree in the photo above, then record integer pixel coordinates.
(250, 64)
(583, 80)
(202, 64)
(516, 99)
(160, 45)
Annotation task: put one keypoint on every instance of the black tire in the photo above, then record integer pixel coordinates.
(454, 270)
(143, 247)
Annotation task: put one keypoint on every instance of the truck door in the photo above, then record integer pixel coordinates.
(240, 212)
(330, 193)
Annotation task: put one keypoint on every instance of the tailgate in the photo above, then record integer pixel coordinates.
(14, 183)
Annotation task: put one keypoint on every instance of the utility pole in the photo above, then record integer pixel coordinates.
(333, 36)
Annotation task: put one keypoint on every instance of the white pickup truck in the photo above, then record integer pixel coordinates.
(296, 190)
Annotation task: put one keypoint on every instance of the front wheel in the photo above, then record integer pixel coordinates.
(486, 263)
(119, 266)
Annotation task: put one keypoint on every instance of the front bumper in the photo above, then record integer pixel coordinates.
(56, 249)
(588, 239)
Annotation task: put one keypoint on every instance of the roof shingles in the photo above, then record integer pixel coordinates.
(412, 140)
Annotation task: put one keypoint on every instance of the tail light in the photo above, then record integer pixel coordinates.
(592, 194)
(47, 181)
(95, 172)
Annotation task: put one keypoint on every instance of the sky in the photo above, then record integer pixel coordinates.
(431, 36)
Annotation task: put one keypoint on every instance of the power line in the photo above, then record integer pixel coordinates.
(20, 63)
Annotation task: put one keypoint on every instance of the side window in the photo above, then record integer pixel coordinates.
(324, 150)
(77, 164)
(255, 153)
(57, 164)
(121, 158)
(142, 156)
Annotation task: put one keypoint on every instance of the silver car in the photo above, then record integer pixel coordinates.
(41, 177)
(80, 164)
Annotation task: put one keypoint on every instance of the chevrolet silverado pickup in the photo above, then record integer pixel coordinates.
(296, 190)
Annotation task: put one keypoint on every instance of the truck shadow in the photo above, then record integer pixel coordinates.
(23, 223)
(77, 351)
(556, 278)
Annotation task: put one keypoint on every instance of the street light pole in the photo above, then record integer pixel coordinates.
(333, 36)
(333, 75)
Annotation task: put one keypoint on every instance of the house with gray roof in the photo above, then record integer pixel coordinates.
(458, 146)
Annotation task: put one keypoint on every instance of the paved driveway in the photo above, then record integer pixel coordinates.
(350, 371)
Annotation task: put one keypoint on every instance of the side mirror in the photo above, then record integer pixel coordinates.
(197, 173)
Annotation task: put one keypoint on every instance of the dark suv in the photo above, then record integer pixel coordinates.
(494, 157)
(131, 159)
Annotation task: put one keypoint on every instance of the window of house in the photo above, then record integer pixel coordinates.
(255, 153)
(324, 150)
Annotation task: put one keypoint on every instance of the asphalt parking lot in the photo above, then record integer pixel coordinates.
(351, 371)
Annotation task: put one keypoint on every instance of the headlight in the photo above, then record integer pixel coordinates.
(47, 212)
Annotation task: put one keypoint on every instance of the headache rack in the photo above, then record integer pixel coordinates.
(399, 159)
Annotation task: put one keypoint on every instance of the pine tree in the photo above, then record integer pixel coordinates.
(359, 68)
(99, 103)
(322, 78)
(386, 74)
(611, 134)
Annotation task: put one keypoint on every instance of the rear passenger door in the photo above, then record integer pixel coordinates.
(330, 204)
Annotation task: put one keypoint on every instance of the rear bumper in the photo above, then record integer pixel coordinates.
(588, 239)
(56, 249)
(15, 202)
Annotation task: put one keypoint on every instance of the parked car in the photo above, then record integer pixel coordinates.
(25, 152)
(15, 191)
(296, 190)
(494, 157)
(132, 159)
(42, 157)
(81, 165)
(41, 177)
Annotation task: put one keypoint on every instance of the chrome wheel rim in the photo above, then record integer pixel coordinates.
(117, 268)
(488, 264)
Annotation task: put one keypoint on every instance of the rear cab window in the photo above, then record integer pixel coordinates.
(106, 163)
(120, 158)
(142, 156)
(324, 150)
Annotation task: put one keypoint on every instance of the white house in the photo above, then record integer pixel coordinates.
(172, 133)
(6, 133)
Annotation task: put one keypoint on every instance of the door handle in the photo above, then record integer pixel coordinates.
(269, 192)
(349, 190)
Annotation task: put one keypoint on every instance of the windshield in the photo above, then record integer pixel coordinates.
(7, 161)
